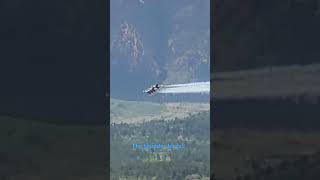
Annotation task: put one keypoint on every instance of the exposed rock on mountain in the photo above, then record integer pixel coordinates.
(129, 44)
(158, 41)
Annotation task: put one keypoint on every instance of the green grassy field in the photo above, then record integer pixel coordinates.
(134, 108)
(37, 151)
(140, 111)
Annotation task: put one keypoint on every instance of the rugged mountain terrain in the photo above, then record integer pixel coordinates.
(158, 41)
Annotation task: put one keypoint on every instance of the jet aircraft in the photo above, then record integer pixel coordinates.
(153, 89)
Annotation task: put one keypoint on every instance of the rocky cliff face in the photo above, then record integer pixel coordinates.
(158, 41)
(129, 44)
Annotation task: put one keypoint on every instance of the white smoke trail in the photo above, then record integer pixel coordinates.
(198, 87)
(188, 84)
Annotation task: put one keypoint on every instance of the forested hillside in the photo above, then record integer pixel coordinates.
(193, 160)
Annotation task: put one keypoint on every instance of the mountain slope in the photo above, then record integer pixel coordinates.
(158, 41)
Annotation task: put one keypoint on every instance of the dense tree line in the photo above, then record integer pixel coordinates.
(193, 160)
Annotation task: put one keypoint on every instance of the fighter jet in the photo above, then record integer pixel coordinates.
(153, 89)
